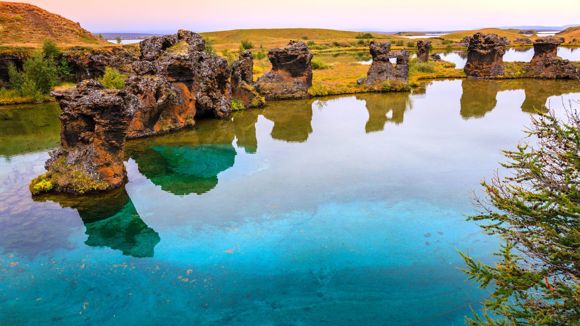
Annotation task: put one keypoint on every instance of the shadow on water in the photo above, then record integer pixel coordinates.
(112, 221)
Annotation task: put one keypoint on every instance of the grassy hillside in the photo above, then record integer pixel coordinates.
(570, 33)
(25, 25)
(511, 34)
(318, 39)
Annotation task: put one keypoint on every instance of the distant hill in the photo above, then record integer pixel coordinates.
(570, 33)
(271, 38)
(22, 24)
(511, 34)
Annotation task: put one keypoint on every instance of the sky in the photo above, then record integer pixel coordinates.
(162, 16)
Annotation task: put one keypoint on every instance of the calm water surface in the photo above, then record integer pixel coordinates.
(339, 211)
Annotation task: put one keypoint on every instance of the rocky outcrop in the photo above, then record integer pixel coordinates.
(244, 94)
(547, 64)
(382, 69)
(9, 58)
(291, 74)
(485, 55)
(163, 106)
(94, 124)
(91, 64)
(423, 48)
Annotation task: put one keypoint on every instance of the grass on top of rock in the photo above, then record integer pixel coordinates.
(113, 79)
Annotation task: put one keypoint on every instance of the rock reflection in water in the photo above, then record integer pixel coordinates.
(111, 220)
(383, 109)
(189, 161)
(480, 96)
(292, 120)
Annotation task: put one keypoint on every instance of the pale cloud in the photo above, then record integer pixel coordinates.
(383, 15)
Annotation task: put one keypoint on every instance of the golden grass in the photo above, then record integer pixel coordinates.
(510, 34)
(25, 25)
(570, 34)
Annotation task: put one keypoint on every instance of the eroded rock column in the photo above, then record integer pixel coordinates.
(547, 64)
(291, 74)
(485, 55)
(382, 69)
(423, 49)
(244, 94)
(94, 128)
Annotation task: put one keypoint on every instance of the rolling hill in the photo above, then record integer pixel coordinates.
(25, 25)
(570, 33)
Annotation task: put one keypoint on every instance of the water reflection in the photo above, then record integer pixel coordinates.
(292, 120)
(190, 161)
(479, 97)
(383, 109)
(112, 221)
(25, 129)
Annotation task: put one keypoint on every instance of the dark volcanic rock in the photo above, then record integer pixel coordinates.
(547, 64)
(423, 48)
(485, 55)
(241, 81)
(382, 69)
(164, 106)
(94, 127)
(291, 74)
(90, 64)
(211, 85)
(436, 57)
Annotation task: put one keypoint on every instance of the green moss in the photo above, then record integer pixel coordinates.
(258, 101)
(318, 64)
(237, 105)
(63, 177)
(40, 184)
(180, 47)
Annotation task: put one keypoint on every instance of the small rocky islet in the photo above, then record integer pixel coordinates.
(174, 81)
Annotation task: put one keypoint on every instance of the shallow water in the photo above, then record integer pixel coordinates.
(340, 211)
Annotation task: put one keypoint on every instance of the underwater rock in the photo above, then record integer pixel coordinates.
(291, 74)
(546, 63)
(423, 48)
(94, 123)
(382, 69)
(485, 55)
(241, 80)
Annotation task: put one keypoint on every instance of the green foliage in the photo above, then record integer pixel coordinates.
(230, 57)
(119, 40)
(40, 72)
(447, 42)
(318, 64)
(209, 46)
(364, 36)
(310, 43)
(400, 43)
(424, 67)
(246, 45)
(113, 79)
(411, 44)
(237, 105)
(260, 54)
(40, 185)
(536, 210)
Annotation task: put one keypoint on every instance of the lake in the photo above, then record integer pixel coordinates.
(334, 211)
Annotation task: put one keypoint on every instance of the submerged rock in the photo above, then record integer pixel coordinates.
(423, 48)
(546, 63)
(94, 123)
(291, 74)
(243, 93)
(382, 69)
(485, 55)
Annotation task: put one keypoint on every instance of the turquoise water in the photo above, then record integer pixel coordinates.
(340, 211)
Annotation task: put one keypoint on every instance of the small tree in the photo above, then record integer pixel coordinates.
(536, 210)
(119, 40)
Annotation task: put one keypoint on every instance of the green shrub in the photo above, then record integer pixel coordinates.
(317, 64)
(50, 50)
(246, 45)
(364, 36)
(400, 43)
(447, 42)
(259, 55)
(229, 56)
(411, 44)
(209, 46)
(310, 43)
(113, 79)
(237, 105)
